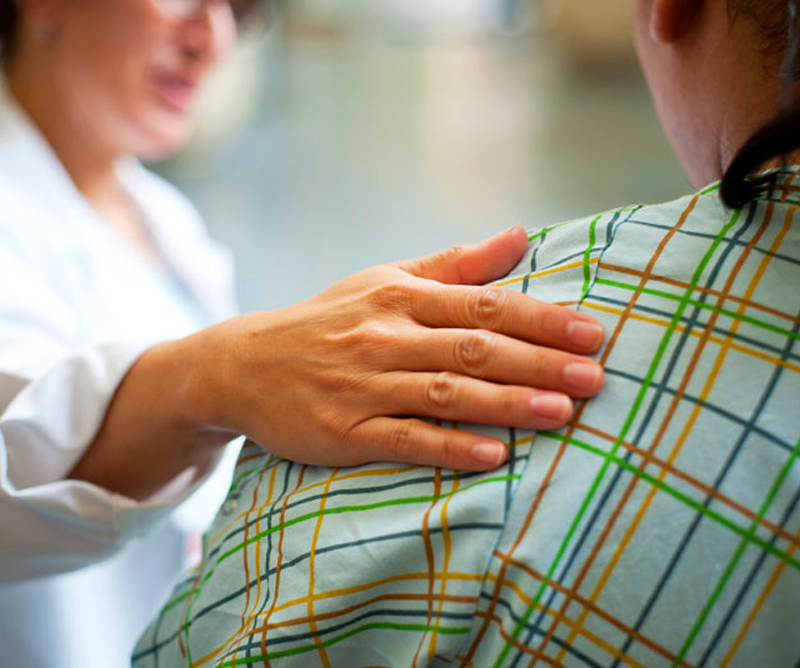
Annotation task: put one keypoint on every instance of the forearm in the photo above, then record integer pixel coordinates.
(152, 431)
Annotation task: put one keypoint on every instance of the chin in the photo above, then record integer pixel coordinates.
(162, 141)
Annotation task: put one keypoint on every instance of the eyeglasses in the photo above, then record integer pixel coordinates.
(246, 13)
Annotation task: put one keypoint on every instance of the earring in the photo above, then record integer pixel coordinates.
(45, 32)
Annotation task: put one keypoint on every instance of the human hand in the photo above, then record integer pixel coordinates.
(329, 381)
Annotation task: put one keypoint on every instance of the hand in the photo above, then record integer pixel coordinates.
(329, 380)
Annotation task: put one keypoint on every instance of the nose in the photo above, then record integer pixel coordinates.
(207, 36)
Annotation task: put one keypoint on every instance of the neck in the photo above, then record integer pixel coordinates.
(67, 128)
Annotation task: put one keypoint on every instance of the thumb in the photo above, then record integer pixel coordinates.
(472, 264)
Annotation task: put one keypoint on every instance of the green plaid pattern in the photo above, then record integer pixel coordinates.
(660, 528)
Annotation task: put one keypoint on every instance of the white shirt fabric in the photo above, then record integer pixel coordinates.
(83, 569)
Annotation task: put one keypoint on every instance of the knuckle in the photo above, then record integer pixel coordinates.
(346, 386)
(453, 255)
(403, 443)
(372, 336)
(475, 350)
(447, 451)
(487, 306)
(332, 425)
(442, 391)
(396, 296)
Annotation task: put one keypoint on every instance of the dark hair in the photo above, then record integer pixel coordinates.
(8, 30)
(780, 26)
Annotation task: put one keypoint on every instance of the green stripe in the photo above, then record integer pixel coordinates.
(177, 600)
(339, 511)
(789, 334)
(416, 628)
(587, 273)
(747, 534)
(237, 481)
(748, 537)
(362, 508)
(648, 380)
(547, 230)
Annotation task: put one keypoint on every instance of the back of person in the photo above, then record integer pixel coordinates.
(660, 528)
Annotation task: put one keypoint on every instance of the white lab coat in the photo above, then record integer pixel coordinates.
(81, 569)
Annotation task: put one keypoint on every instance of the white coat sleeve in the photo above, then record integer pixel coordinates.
(53, 399)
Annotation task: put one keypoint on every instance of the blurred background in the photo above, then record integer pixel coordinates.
(353, 132)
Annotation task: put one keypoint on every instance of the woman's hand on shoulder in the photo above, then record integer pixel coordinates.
(333, 379)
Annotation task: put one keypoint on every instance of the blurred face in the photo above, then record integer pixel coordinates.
(134, 66)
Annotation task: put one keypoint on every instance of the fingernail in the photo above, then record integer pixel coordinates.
(583, 376)
(493, 454)
(517, 229)
(552, 407)
(585, 334)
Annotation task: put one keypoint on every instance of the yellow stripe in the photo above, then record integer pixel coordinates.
(323, 654)
(725, 346)
(766, 357)
(448, 546)
(546, 272)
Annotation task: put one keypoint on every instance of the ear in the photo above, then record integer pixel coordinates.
(670, 19)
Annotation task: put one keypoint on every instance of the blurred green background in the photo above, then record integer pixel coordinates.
(354, 132)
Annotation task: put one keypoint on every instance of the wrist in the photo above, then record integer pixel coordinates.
(204, 403)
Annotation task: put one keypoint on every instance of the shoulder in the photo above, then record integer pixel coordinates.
(563, 259)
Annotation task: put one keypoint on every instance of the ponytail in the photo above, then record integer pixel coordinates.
(780, 136)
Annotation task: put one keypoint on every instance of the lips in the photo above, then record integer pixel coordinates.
(177, 91)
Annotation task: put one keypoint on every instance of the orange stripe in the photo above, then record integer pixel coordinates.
(429, 556)
(546, 272)
(448, 546)
(756, 306)
(599, 612)
(340, 612)
(678, 473)
(245, 564)
(665, 423)
(750, 352)
(396, 470)
(612, 520)
(779, 569)
(356, 589)
(323, 654)
(279, 562)
(748, 623)
(570, 430)
(236, 638)
(681, 441)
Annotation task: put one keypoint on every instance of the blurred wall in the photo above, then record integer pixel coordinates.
(356, 133)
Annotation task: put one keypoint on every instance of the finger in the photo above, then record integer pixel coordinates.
(472, 264)
(510, 313)
(415, 441)
(489, 356)
(450, 396)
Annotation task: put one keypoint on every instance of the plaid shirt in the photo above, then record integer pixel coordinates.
(661, 527)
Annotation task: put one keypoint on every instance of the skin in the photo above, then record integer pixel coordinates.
(113, 70)
(321, 382)
(711, 83)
